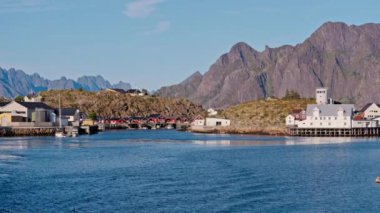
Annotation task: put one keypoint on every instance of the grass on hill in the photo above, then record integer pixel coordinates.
(263, 115)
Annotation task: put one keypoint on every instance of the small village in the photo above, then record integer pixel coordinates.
(330, 118)
(32, 117)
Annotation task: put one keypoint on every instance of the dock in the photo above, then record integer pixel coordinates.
(334, 132)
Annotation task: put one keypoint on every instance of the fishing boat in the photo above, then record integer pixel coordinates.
(60, 133)
(377, 180)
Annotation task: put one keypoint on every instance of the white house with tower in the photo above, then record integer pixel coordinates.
(324, 114)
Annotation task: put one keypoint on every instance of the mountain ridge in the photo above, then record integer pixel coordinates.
(16, 82)
(345, 58)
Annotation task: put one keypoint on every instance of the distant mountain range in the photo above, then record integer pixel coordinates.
(344, 58)
(17, 82)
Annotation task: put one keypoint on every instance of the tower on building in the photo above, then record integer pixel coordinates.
(321, 96)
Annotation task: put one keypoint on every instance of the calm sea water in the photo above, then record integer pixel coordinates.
(169, 171)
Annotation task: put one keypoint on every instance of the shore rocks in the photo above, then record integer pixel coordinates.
(14, 132)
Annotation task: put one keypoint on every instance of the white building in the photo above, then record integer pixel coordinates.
(365, 123)
(212, 112)
(370, 111)
(325, 115)
(26, 114)
(33, 98)
(328, 116)
(211, 122)
(291, 120)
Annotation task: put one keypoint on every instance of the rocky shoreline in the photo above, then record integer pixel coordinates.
(16, 132)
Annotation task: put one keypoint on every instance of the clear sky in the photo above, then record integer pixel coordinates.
(152, 43)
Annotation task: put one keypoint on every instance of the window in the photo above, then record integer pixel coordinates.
(320, 124)
(329, 124)
(335, 117)
(316, 118)
(311, 123)
(329, 118)
(345, 123)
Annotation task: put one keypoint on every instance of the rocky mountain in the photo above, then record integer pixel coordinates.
(186, 88)
(344, 58)
(17, 82)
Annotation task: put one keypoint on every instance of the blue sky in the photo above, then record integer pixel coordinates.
(152, 43)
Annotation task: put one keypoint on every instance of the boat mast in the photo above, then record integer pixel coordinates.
(60, 111)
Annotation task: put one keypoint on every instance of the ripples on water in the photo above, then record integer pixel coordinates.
(172, 171)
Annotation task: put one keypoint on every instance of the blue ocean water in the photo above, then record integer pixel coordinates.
(169, 171)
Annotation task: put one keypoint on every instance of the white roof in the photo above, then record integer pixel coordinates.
(330, 109)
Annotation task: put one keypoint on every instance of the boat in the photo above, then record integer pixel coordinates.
(60, 133)
(377, 180)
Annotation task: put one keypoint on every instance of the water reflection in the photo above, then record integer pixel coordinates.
(289, 141)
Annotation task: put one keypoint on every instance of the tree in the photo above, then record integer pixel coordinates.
(291, 94)
(19, 98)
(92, 116)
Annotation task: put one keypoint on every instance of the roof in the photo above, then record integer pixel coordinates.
(118, 90)
(133, 91)
(154, 116)
(3, 103)
(329, 109)
(32, 95)
(34, 105)
(296, 111)
(367, 106)
(68, 111)
(198, 117)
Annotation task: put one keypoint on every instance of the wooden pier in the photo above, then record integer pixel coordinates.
(330, 132)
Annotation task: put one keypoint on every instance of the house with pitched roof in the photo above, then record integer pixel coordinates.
(15, 113)
(323, 115)
(370, 111)
(328, 116)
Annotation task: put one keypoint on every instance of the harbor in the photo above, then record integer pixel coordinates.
(83, 173)
(335, 132)
(329, 118)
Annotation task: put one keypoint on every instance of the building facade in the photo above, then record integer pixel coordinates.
(328, 116)
(212, 122)
(370, 111)
(324, 114)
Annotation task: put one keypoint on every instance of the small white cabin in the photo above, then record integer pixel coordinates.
(217, 122)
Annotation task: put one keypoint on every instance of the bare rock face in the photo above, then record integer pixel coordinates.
(344, 58)
(185, 89)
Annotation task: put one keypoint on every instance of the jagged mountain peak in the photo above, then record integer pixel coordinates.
(345, 58)
(16, 82)
(192, 77)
